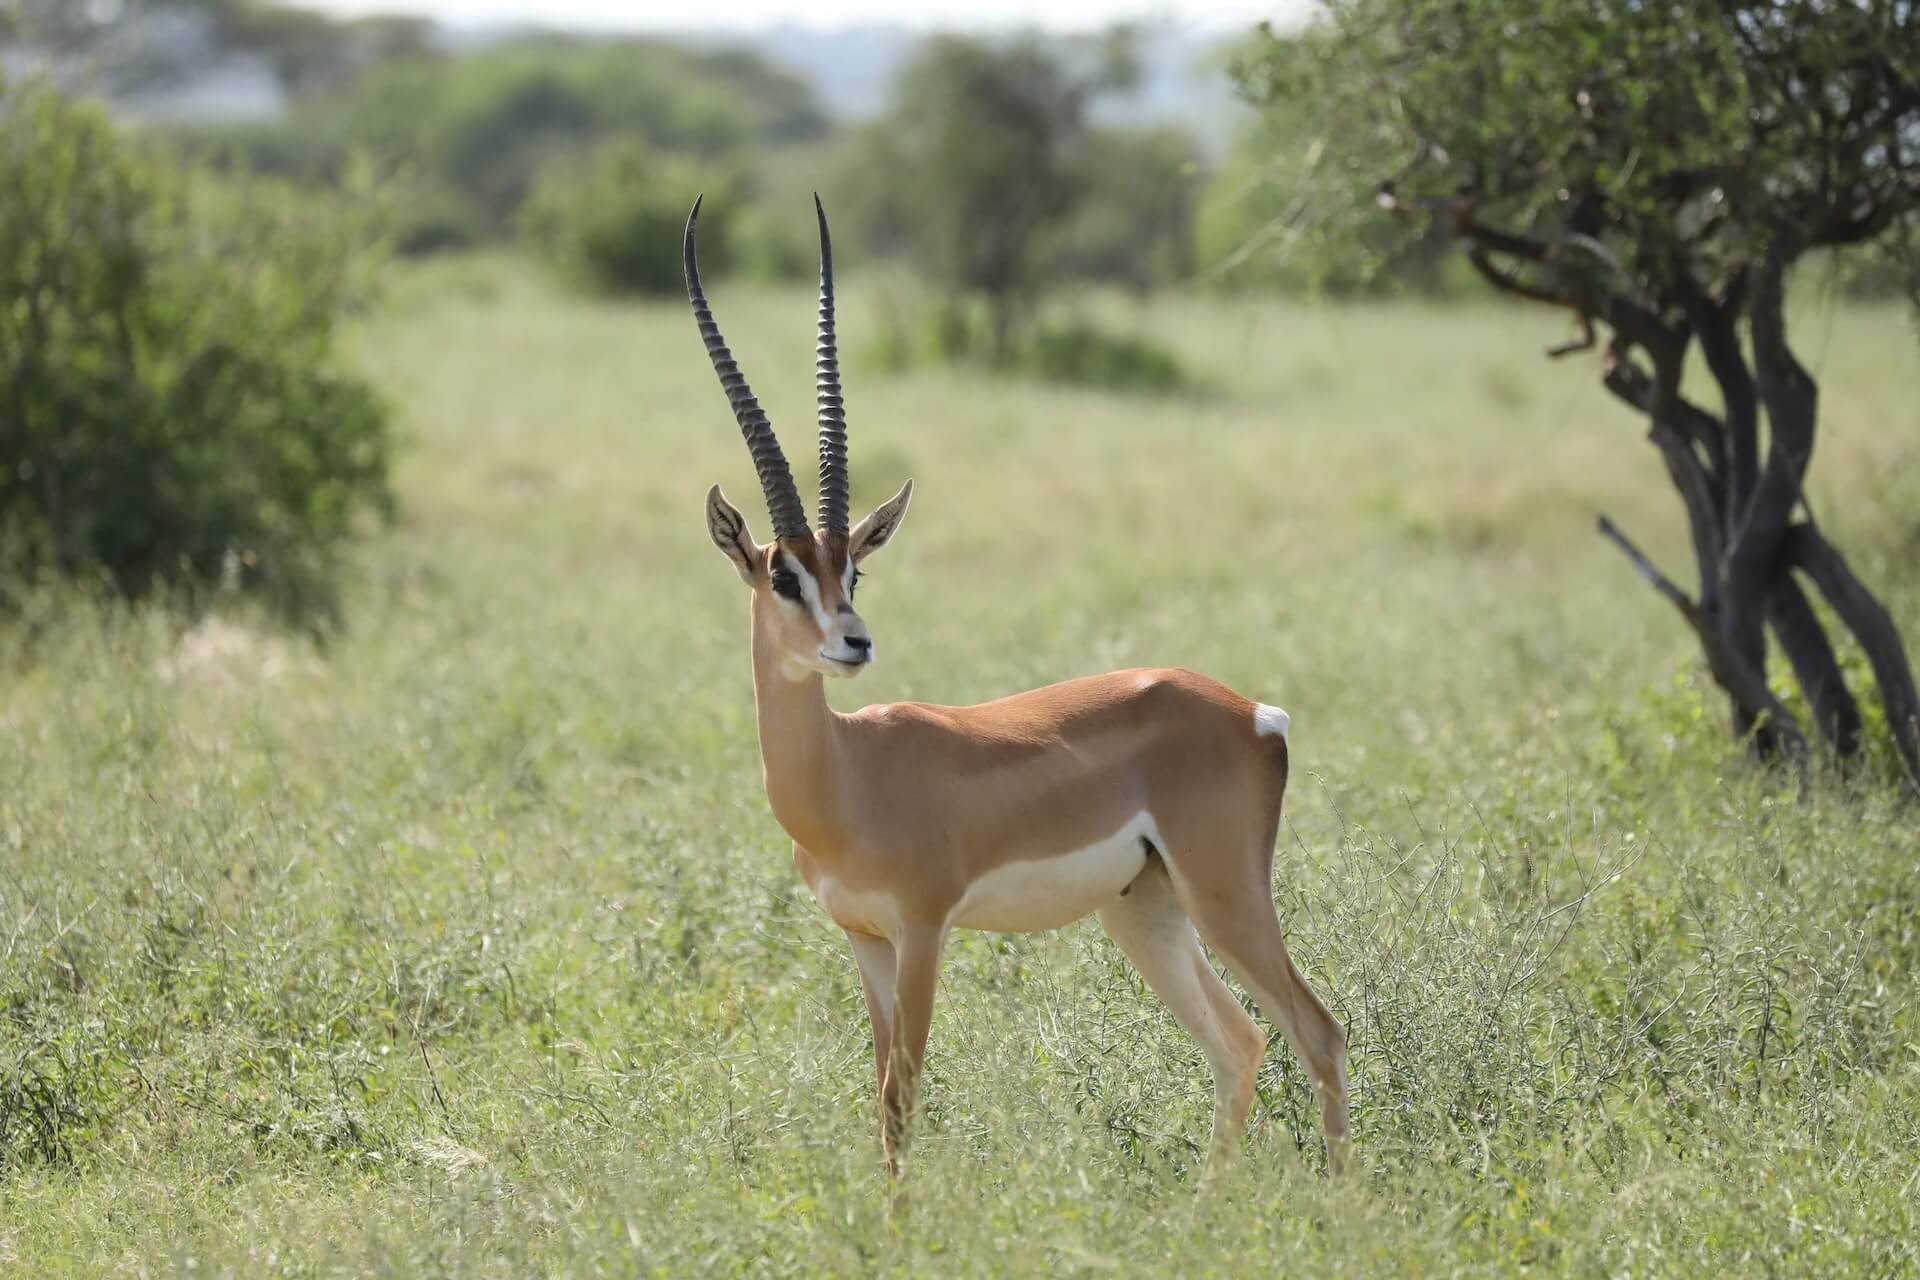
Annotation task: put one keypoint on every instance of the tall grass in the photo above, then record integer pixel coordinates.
(469, 947)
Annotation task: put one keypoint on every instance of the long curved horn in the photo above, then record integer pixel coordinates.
(826, 382)
(783, 500)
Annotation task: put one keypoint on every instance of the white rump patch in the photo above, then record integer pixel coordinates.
(1046, 893)
(1270, 722)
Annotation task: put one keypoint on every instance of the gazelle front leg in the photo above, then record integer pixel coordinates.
(916, 975)
(878, 965)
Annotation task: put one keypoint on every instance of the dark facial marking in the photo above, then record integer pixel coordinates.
(782, 579)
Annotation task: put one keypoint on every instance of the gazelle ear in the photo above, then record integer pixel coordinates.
(728, 529)
(877, 529)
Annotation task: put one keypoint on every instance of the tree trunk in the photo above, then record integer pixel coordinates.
(1873, 627)
(1740, 510)
(1001, 318)
(1746, 544)
(1836, 716)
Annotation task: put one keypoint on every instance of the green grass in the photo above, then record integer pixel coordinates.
(468, 946)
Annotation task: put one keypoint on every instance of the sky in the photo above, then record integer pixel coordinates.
(667, 15)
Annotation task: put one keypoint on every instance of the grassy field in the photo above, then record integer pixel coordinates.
(467, 946)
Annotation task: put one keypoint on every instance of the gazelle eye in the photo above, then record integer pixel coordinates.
(784, 582)
(854, 585)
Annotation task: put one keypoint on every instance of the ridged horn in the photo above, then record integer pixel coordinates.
(776, 481)
(826, 383)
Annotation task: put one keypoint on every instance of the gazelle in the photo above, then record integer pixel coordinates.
(1151, 798)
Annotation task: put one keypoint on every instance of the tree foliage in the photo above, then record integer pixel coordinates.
(984, 155)
(1269, 218)
(175, 415)
(473, 130)
(1134, 226)
(483, 123)
(1656, 171)
(135, 47)
(610, 221)
(1691, 135)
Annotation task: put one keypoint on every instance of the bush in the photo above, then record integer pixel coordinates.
(1077, 353)
(431, 219)
(486, 123)
(610, 222)
(176, 416)
(1070, 351)
(306, 145)
(982, 158)
(310, 148)
(1135, 227)
(772, 245)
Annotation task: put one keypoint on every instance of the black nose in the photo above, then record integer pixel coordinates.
(859, 644)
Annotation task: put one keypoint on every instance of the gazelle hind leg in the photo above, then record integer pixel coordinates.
(1240, 926)
(1157, 936)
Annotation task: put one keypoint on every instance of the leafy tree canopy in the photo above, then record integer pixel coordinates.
(477, 127)
(129, 47)
(983, 150)
(1686, 138)
(1656, 169)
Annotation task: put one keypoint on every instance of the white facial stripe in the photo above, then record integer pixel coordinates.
(809, 591)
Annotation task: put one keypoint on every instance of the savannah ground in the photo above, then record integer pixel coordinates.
(468, 946)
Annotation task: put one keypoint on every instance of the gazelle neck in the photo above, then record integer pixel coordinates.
(798, 746)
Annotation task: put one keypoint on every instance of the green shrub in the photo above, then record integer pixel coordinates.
(1078, 353)
(1071, 351)
(1135, 227)
(431, 219)
(485, 124)
(175, 413)
(773, 245)
(610, 221)
(308, 145)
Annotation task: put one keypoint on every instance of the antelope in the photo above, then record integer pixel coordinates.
(1150, 798)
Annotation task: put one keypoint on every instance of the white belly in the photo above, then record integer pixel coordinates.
(1045, 893)
(862, 910)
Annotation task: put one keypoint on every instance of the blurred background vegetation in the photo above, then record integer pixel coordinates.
(993, 184)
(203, 188)
(390, 875)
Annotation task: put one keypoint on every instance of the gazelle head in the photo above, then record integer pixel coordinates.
(802, 581)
